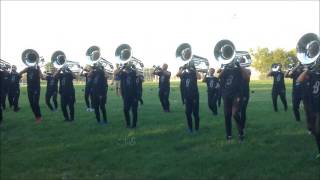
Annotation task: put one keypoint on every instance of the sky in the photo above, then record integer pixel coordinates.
(153, 29)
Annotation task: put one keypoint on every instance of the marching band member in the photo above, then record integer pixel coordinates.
(33, 87)
(5, 89)
(278, 88)
(191, 94)
(14, 89)
(116, 80)
(67, 92)
(212, 90)
(87, 73)
(164, 86)
(52, 90)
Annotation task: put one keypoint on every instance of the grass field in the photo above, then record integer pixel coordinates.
(276, 146)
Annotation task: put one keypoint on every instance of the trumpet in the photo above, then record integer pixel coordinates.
(4, 65)
(59, 60)
(94, 55)
(184, 54)
(308, 50)
(124, 53)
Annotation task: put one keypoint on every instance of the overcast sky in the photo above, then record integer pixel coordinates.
(153, 29)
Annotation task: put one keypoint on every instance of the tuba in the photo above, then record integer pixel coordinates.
(30, 58)
(184, 54)
(275, 67)
(94, 55)
(124, 54)
(308, 50)
(243, 58)
(4, 65)
(225, 53)
(59, 60)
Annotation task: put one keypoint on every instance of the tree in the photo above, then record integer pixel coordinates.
(48, 66)
(263, 58)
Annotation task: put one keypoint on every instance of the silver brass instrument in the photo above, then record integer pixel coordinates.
(94, 55)
(124, 54)
(308, 50)
(225, 53)
(30, 57)
(275, 67)
(59, 60)
(184, 54)
(243, 58)
(4, 65)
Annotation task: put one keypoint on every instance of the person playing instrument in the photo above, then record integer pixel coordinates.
(1, 86)
(213, 86)
(278, 88)
(33, 87)
(99, 92)
(87, 73)
(182, 83)
(164, 86)
(67, 92)
(191, 94)
(245, 94)
(14, 89)
(52, 89)
(314, 78)
(5, 88)
(296, 90)
(116, 80)
(129, 93)
(231, 79)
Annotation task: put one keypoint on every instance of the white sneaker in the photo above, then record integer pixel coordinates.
(91, 110)
(88, 109)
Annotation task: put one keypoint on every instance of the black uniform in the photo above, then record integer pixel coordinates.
(5, 88)
(231, 80)
(52, 91)
(14, 90)
(88, 91)
(315, 104)
(139, 81)
(191, 97)
(164, 89)
(182, 83)
(244, 101)
(296, 94)
(33, 87)
(213, 87)
(130, 95)
(278, 89)
(99, 94)
(67, 94)
(1, 86)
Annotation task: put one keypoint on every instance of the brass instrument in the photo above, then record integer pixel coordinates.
(123, 53)
(4, 65)
(59, 60)
(308, 50)
(184, 54)
(94, 55)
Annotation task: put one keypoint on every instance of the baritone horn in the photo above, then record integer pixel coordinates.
(4, 65)
(308, 50)
(59, 60)
(123, 53)
(184, 54)
(225, 53)
(94, 55)
(30, 58)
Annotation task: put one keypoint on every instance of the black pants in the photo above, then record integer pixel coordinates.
(231, 102)
(212, 102)
(1, 115)
(282, 94)
(130, 103)
(13, 98)
(51, 95)
(68, 101)
(192, 107)
(99, 103)
(164, 99)
(88, 97)
(243, 110)
(4, 97)
(296, 99)
(33, 96)
(182, 94)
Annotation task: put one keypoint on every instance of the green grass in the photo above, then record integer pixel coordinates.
(276, 146)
